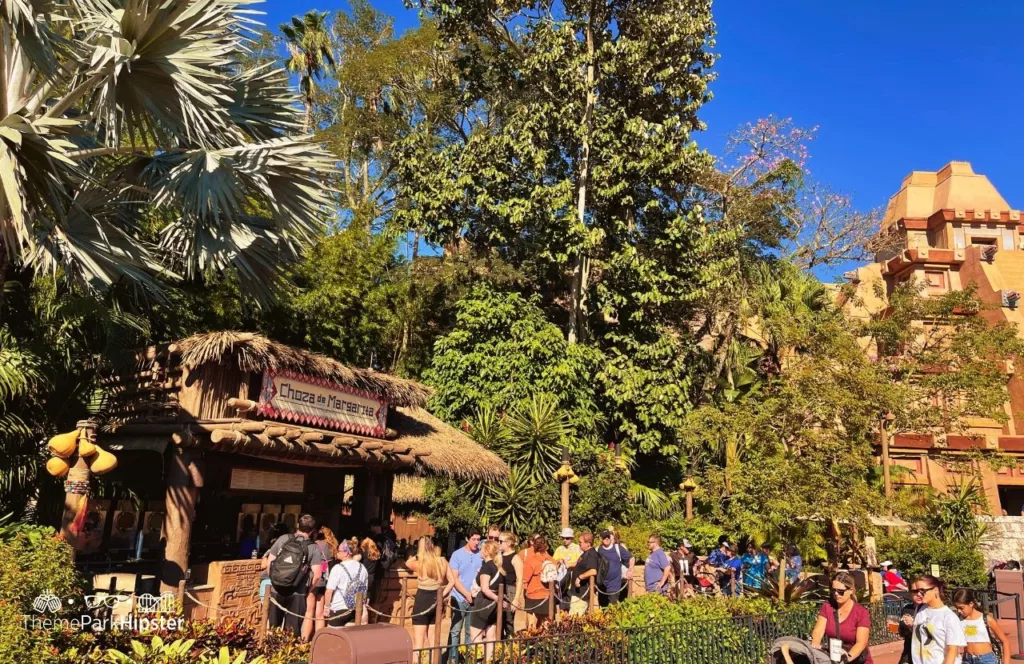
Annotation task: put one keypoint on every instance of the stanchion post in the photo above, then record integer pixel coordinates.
(359, 609)
(1020, 637)
(501, 608)
(403, 599)
(435, 656)
(181, 595)
(264, 613)
(551, 600)
(592, 597)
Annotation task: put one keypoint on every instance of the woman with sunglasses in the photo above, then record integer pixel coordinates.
(938, 633)
(843, 624)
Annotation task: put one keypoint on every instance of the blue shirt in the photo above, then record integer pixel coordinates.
(465, 565)
(657, 562)
(755, 569)
(718, 558)
(617, 556)
(798, 564)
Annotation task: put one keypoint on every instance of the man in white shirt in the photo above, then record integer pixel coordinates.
(348, 577)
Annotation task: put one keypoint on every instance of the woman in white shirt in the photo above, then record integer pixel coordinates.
(938, 634)
(348, 577)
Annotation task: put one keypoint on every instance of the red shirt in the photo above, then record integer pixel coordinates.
(859, 617)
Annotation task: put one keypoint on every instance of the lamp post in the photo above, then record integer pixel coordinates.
(566, 476)
(689, 486)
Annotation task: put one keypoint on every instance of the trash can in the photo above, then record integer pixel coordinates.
(366, 644)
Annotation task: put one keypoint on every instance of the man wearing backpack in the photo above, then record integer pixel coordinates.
(589, 565)
(295, 564)
(620, 560)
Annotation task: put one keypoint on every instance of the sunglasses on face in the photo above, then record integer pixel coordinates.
(840, 591)
(921, 591)
(492, 539)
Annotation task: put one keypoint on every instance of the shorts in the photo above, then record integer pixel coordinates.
(424, 605)
(987, 658)
(578, 606)
(340, 618)
(485, 612)
(537, 607)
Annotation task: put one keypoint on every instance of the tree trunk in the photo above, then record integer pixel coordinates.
(180, 507)
(307, 123)
(578, 311)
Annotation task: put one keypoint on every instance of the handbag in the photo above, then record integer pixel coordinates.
(861, 658)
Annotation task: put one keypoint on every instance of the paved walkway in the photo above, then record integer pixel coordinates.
(889, 653)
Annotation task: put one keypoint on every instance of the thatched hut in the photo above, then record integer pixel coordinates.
(226, 433)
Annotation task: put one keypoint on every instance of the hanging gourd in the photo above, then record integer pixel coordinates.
(102, 462)
(86, 448)
(63, 445)
(57, 467)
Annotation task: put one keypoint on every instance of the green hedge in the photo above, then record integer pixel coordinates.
(960, 566)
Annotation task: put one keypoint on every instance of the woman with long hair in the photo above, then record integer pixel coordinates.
(843, 623)
(485, 603)
(328, 545)
(979, 628)
(938, 634)
(511, 569)
(432, 572)
(371, 561)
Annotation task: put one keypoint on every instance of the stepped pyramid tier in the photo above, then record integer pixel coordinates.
(947, 230)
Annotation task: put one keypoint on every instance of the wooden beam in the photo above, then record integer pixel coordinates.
(180, 510)
(244, 405)
(371, 445)
(311, 437)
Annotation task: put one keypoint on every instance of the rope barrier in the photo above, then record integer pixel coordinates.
(194, 599)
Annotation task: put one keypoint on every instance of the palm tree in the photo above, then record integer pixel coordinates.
(311, 55)
(109, 109)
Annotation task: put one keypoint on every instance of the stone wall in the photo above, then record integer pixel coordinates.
(1004, 538)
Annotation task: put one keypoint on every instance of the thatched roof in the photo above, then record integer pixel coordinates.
(452, 453)
(408, 489)
(256, 353)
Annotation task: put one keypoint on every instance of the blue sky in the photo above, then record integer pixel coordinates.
(892, 85)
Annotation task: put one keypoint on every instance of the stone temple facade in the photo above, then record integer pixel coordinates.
(947, 229)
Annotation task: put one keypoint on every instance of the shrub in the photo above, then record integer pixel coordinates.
(960, 566)
(33, 562)
(18, 644)
(704, 630)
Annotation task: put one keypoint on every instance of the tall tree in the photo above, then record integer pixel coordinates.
(577, 154)
(311, 55)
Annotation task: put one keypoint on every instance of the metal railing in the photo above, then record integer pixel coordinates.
(737, 640)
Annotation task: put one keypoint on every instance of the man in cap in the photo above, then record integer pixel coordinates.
(724, 560)
(892, 581)
(684, 559)
(569, 552)
(619, 559)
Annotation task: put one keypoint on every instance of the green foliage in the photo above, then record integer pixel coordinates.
(31, 565)
(18, 644)
(701, 533)
(706, 630)
(960, 566)
(953, 516)
(502, 352)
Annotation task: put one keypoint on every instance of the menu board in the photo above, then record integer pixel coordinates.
(267, 480)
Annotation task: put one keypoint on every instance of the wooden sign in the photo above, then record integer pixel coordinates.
(296, 398)
(266, 480)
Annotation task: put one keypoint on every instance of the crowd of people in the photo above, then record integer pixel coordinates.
(933, 631)
(314, 579)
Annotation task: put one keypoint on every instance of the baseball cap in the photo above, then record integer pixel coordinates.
(686, 544)
(567, 532)
(887, 563)
(606, 533)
